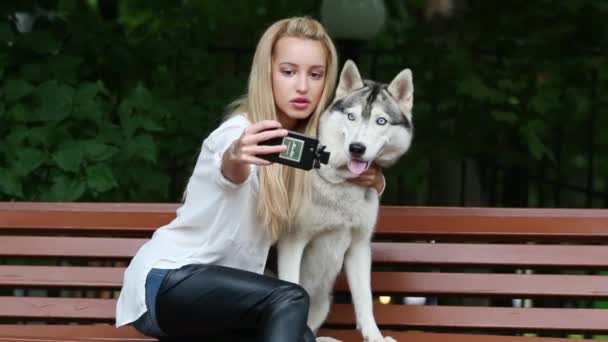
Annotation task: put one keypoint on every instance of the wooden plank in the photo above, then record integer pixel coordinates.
(482, 255)
(79, 247)
(81, 332)
(405, 283)
(486, 284)
(61, 276)
(61, 308)
(486, 318)
(445, 254)
(518, 224)
(90, 216)
(110, 334)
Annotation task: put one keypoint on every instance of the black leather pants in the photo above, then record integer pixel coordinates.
(215, 303)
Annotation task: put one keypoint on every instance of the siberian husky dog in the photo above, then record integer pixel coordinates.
(367, 122)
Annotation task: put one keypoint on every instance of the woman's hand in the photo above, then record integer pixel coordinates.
(372, 177)
(244, 150)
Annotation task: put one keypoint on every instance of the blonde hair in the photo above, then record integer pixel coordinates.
(283, 189)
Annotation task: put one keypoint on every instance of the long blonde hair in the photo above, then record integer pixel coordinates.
(283, 189)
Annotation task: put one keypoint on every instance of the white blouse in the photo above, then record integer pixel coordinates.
(217, 224)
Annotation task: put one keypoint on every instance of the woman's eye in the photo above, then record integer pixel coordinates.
(287, 72)
(351, 116)
(316, 75)
(381, 121)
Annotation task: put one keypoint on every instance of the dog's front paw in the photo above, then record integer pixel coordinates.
(327, 339)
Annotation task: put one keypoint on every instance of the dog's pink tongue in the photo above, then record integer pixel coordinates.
(357, 166)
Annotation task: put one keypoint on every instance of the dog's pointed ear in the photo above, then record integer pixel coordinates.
(350, 79)
(402, 89)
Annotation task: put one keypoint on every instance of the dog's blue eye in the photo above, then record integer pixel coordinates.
(381, 121)
(351, 116)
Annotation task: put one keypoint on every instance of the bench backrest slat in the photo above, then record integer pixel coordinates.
(526, 255)
(73, 247)
(404, 222)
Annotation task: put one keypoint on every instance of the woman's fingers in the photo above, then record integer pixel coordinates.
(263, 149)
(262, 126)
(253, 139)
(255, 160)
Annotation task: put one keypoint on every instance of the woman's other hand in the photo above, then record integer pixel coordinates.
(372, 177)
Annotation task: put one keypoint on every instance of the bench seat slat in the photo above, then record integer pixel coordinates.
(109, 333)
(416, 283)
(526, 255)
(491, 318)
(576, 320)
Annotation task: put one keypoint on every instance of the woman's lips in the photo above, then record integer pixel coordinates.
(300, 103)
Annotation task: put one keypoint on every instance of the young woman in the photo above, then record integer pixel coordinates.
(201, 275)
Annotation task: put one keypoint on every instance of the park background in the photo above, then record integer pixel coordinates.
(109, 100)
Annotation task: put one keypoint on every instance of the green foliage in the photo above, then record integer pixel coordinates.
(499, 80)
(95, 109)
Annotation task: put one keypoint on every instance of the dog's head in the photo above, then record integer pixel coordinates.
(368, 121)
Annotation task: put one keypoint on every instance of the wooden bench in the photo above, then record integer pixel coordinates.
(464, 260)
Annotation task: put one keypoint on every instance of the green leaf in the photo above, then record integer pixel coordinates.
(531, 132)
(128, 122)
(41, 135)
(70, 156)
(28, 159)
(96, 151)
(6, 32)
(109, 133)
(41, 42)
(86, 102)
(64, 189)
(507, 117)
(142, 147)
(150, 125)
(10, 184)
(18, 134)
(55, 101)
(141, 97)
(64, 67)
(19, 113)
(35, 72)
(101, 178)
(15, 90)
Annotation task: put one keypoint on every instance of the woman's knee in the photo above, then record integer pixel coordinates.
(291, 296)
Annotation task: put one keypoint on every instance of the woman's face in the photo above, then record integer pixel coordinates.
(298, 77)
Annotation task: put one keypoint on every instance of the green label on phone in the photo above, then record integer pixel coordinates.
(294, 149)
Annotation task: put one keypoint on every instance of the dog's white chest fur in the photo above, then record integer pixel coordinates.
(342, 206)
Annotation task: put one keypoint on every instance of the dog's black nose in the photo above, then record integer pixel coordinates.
(356, 149)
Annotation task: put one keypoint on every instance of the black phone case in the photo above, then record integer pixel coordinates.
(301, 151)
